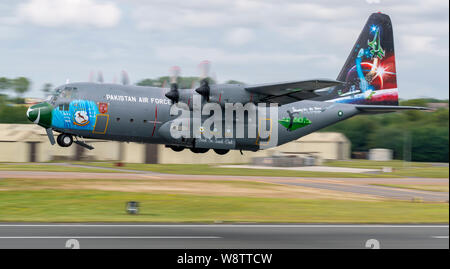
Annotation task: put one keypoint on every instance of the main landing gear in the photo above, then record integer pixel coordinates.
(64, 140)
(177, 148)
(199, 150)
(221, 151)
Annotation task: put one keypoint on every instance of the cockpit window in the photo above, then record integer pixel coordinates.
(52, 99)
(69, 92)
(63, 94)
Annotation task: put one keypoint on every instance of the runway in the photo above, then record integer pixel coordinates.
(222, 236)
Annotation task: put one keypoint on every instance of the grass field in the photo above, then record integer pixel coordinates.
(376, 164)
(413, 169)
(50, 168)
(63, 200)
(434, 172)
(400, 168)
(109, 206)
(196, 187)
(205, 169)
(421, 170)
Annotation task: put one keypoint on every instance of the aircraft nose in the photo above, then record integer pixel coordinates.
(41, 114)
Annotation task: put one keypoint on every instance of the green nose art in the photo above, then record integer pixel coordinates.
(41, 114)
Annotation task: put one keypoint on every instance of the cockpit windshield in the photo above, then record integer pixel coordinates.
(63, 93)
(54, 96)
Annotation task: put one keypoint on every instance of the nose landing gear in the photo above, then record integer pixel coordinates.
(64, 140)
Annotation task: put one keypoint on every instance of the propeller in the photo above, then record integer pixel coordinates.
(125, 78)
(204, 88)
(91, 76)
(173, 94)
(100, 77)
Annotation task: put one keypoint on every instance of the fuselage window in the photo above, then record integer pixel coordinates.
(145, 121)
(131, 120)
(118, 119)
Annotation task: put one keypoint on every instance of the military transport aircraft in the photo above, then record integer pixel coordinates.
(366, 84)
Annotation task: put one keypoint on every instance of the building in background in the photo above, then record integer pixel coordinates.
(381, 154)
(29, 143)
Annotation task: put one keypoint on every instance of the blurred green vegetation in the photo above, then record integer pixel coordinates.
(52, 168)
(183, 82)
(400, 169)
(19, 85)
(12, 110)
(427, 132)
(205, 169)
(78, 205)
(410, 170)
(368, 164)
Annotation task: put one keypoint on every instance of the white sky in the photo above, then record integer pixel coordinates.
(254, 41)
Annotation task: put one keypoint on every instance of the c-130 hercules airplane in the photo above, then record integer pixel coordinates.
(194, 119)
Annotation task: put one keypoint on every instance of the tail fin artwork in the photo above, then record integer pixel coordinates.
(369, 72)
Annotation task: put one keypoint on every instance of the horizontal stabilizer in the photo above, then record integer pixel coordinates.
(373, 109)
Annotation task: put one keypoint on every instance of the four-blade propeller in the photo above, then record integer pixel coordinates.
(173, 94)
(204, 88)
(124, 75)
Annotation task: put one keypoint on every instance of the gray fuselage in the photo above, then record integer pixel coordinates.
(142, 114)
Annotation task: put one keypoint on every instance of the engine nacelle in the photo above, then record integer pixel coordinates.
(231, 93)
(220, 94)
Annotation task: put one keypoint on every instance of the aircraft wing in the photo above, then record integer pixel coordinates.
(291, 91)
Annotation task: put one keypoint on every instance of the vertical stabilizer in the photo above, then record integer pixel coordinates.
(369, 72)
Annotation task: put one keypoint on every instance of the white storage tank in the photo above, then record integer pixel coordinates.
(380, 154)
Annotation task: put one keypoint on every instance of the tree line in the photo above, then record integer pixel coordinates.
(183, 82)
(18, 85)
(412, 135)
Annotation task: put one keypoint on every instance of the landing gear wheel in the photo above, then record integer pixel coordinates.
(64, 140)
(221, 151)
(199, 150)
(177, 148)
